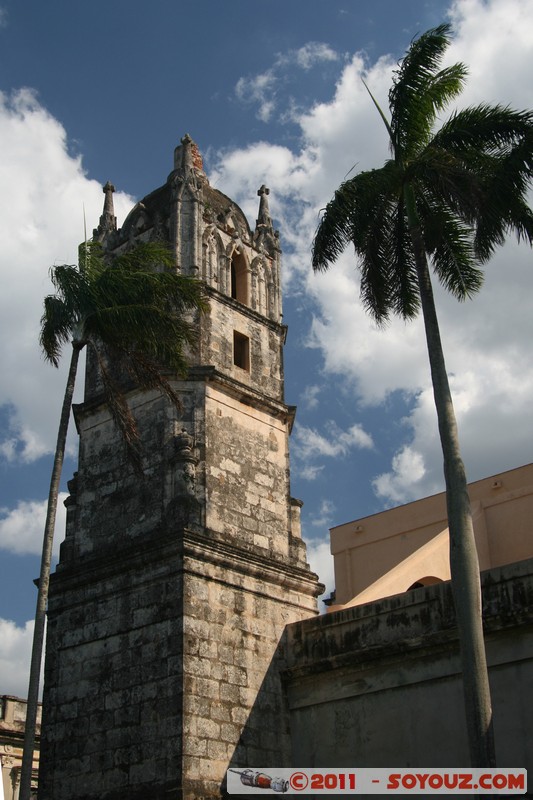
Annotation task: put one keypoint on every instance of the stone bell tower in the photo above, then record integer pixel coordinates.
(172, 591)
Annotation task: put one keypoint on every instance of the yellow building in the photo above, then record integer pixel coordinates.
(405, 547)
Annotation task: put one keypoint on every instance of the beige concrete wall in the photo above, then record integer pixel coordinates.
(379, 685)
(384, 554)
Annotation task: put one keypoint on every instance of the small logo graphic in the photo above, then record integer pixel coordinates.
(260, 780)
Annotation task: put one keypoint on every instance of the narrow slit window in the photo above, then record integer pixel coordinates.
(241, 351)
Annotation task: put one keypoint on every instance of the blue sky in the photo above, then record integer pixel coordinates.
(271, 92)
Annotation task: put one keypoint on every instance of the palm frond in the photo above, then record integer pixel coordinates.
(137, 312)
(384, 118)
(122, 285)
(504, 208)
(375, 264)
(118, 404)
(159, 333)
(362, 212)
(69, 283)
(484, 129)
(146, 257)
(449, 243)
(496, 220)
(420, 90)
(56, 328)
(91, 259)
(427, 103)
(448, 180)
(334, 230)
(374, 225)
(148, 375)
(350, 212)
(404, 292)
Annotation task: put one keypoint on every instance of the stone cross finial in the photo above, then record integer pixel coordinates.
(109, 209)
(108, 221)
(263, 218)
(108, 190)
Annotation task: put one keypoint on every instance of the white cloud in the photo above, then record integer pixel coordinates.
(15, 655)
(494, 39)
(22, 527)
(324, 516)
(259, 89)
(3, 17)
(407, 469)
(309, 443)
(309, 396)
(321, 561)
(486, 341)
(264, 89)
(313, 53)
(310, 472)
(43, 190)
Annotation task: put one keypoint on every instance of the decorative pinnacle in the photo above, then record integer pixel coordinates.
(263, 218)
(108, 202)
(108, 221)
(188, 156)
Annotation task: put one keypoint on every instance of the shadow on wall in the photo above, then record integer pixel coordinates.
(380, 685)
(265, 742)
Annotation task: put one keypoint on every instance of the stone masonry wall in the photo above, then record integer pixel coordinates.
(247, 480)
(265, 341)
(236, 606)
(171, 598)
(113, 705)
(157, 658)
(110, 504)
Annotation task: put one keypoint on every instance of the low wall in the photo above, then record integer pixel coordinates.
(379, 685)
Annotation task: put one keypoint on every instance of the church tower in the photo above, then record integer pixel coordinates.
(173, 589)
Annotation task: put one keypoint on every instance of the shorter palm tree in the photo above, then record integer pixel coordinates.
(133, 313)
(444, 200)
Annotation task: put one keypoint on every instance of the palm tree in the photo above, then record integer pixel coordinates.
(446, 198)
(133, 315)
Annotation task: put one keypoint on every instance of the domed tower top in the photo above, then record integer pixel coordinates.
(207, 231)
(212, 240)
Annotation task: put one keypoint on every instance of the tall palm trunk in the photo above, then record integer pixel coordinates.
(44, 580)
(464, 564)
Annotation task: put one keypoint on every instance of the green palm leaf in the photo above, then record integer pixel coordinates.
(419, 91)
(135, 313)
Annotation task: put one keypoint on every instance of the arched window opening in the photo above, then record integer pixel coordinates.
(239, 278)
(429, 580)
